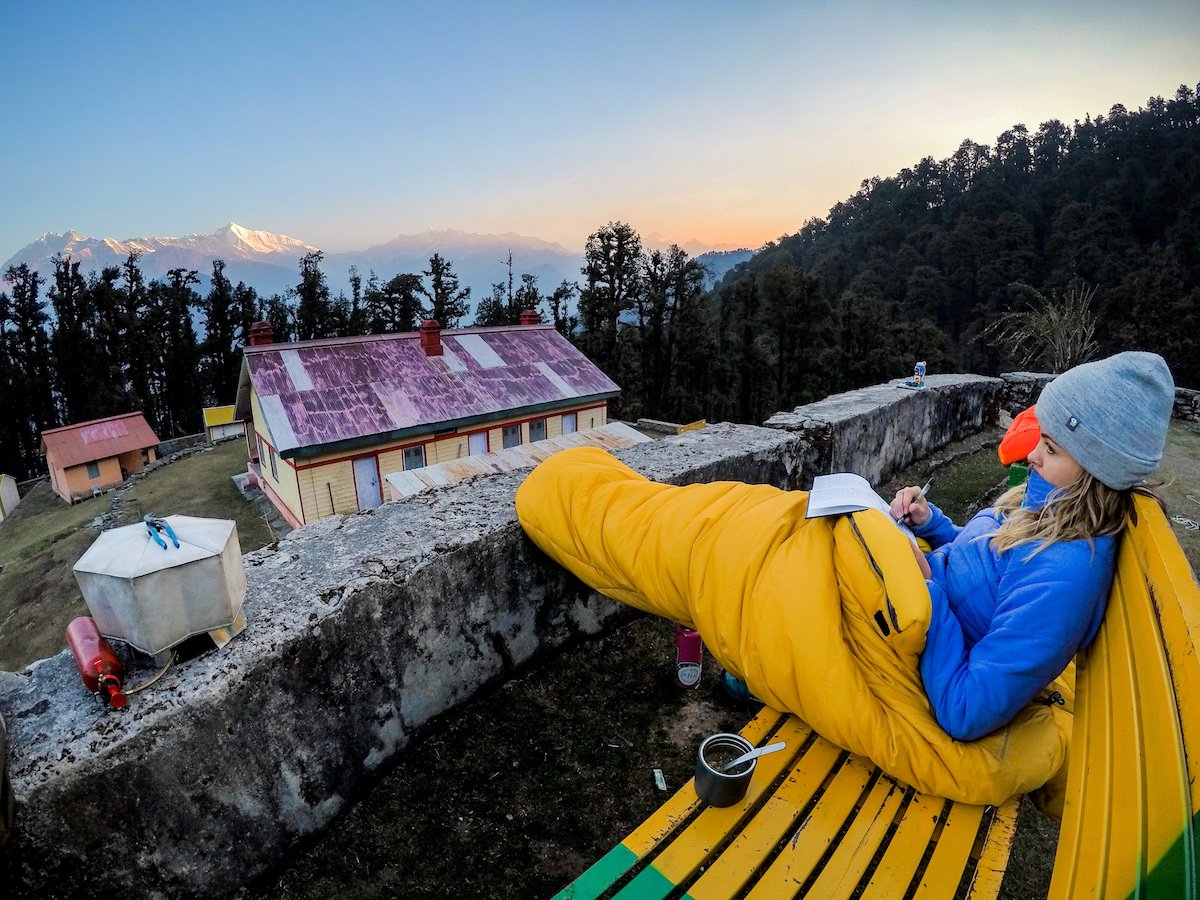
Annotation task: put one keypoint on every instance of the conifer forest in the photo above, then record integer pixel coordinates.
(1049, 247)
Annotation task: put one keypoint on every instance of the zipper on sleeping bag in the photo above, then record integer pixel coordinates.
(880, 621)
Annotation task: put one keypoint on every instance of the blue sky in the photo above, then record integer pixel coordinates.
(345, 124)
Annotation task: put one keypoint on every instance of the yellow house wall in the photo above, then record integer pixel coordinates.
(333, 473)
(319, 482)
(287, 485)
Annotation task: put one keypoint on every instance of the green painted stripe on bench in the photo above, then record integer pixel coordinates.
(1177, 874)
(600, 877)
(650, 884)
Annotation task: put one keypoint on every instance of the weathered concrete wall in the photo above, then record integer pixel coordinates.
(876, 430)
(361, 630)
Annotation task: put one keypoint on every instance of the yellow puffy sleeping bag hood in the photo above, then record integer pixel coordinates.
(822, 617)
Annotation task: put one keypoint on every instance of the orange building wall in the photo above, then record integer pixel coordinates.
(74, 484)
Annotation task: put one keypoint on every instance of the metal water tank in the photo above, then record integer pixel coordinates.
(155, 584)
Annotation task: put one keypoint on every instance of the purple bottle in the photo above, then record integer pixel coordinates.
(689, 653)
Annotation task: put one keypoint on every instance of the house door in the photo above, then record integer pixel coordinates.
(366, 480)
(477, 443)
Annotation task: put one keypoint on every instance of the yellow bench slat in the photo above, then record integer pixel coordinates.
(903, 855)
(729, 873)
(857, 847)
(953, 847)
(993, 857)
(1176, 599)
(812, 837)
(692, 847)
(1127, 796)
(1162, 763)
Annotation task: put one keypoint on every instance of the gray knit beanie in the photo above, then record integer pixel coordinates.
(1111, 415)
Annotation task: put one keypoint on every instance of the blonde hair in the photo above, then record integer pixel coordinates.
(1085, 509)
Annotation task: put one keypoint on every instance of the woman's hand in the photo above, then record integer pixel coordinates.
(908, 504)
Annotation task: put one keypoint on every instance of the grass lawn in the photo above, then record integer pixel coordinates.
(44, 537)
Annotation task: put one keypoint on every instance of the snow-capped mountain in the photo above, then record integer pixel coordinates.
(267, 261)
(270, 262)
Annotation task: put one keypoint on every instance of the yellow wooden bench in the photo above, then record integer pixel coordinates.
(820, 822)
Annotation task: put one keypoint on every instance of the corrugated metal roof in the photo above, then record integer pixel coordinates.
(316, 393)
(218, 415)
(85, 442)
(613, 436)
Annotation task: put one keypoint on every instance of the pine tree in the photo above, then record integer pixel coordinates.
(565, 323)
(219, 352)
(182, 394)
(278, 312)
(138, 339)
(613, 281)
(673, 284)
(28, 352)
(447, 301)
(73, 349)
(395, 306)
(314, 310)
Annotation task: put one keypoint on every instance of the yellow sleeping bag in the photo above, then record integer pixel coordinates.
(822, 617)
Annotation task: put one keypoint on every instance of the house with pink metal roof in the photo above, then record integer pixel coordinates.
(91, 457)
(328, 419)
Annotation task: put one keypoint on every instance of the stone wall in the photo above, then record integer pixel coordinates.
(360, 631)
(174, 445)
(877, 430)
(1187, 405)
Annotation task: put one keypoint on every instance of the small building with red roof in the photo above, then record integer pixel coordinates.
(94, 456)
(328, 420)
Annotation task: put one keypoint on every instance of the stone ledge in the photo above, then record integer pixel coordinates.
(359, 631)
(877, 430)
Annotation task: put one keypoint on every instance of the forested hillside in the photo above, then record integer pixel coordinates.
(1051, 246)
(1100, 219)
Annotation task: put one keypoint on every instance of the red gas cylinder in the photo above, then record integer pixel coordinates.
(98, 666)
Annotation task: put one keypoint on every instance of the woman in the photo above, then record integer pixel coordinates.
(895, 657)
(1023, 586)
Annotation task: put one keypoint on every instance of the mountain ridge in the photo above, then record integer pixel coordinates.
(269, 261)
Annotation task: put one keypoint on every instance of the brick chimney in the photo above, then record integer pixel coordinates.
(261, 333)
(431, 337)
(530, 317)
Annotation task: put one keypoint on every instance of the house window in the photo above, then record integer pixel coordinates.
(537, 430)
(570, 423)
(261, 450)
(414, 457)
(274, 468)
(93, 470)
(512, 436)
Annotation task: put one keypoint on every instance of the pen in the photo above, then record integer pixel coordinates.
(923, 492)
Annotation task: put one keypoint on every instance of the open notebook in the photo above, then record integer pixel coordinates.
(845, 492)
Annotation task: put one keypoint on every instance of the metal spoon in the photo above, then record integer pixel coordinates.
(754, 754)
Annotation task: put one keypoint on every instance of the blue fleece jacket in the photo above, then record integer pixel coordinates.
(1004, 625)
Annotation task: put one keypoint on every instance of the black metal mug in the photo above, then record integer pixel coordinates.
(715, 786)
